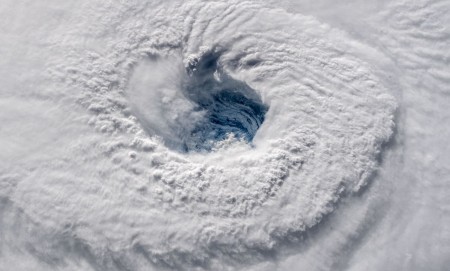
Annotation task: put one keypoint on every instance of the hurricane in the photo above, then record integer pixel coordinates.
(224, 135)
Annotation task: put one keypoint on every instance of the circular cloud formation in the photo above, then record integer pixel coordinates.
(178, 77)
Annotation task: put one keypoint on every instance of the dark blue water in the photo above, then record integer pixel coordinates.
(230, 106)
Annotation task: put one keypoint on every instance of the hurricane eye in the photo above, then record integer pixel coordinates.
(197, 107)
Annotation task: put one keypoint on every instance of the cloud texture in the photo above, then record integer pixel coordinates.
(103, 102)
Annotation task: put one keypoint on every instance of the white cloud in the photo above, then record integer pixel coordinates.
(88, 86)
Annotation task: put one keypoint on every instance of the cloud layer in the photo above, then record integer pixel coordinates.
(102, 106)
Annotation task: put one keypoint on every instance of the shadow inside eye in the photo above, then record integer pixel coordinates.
(230, 106)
